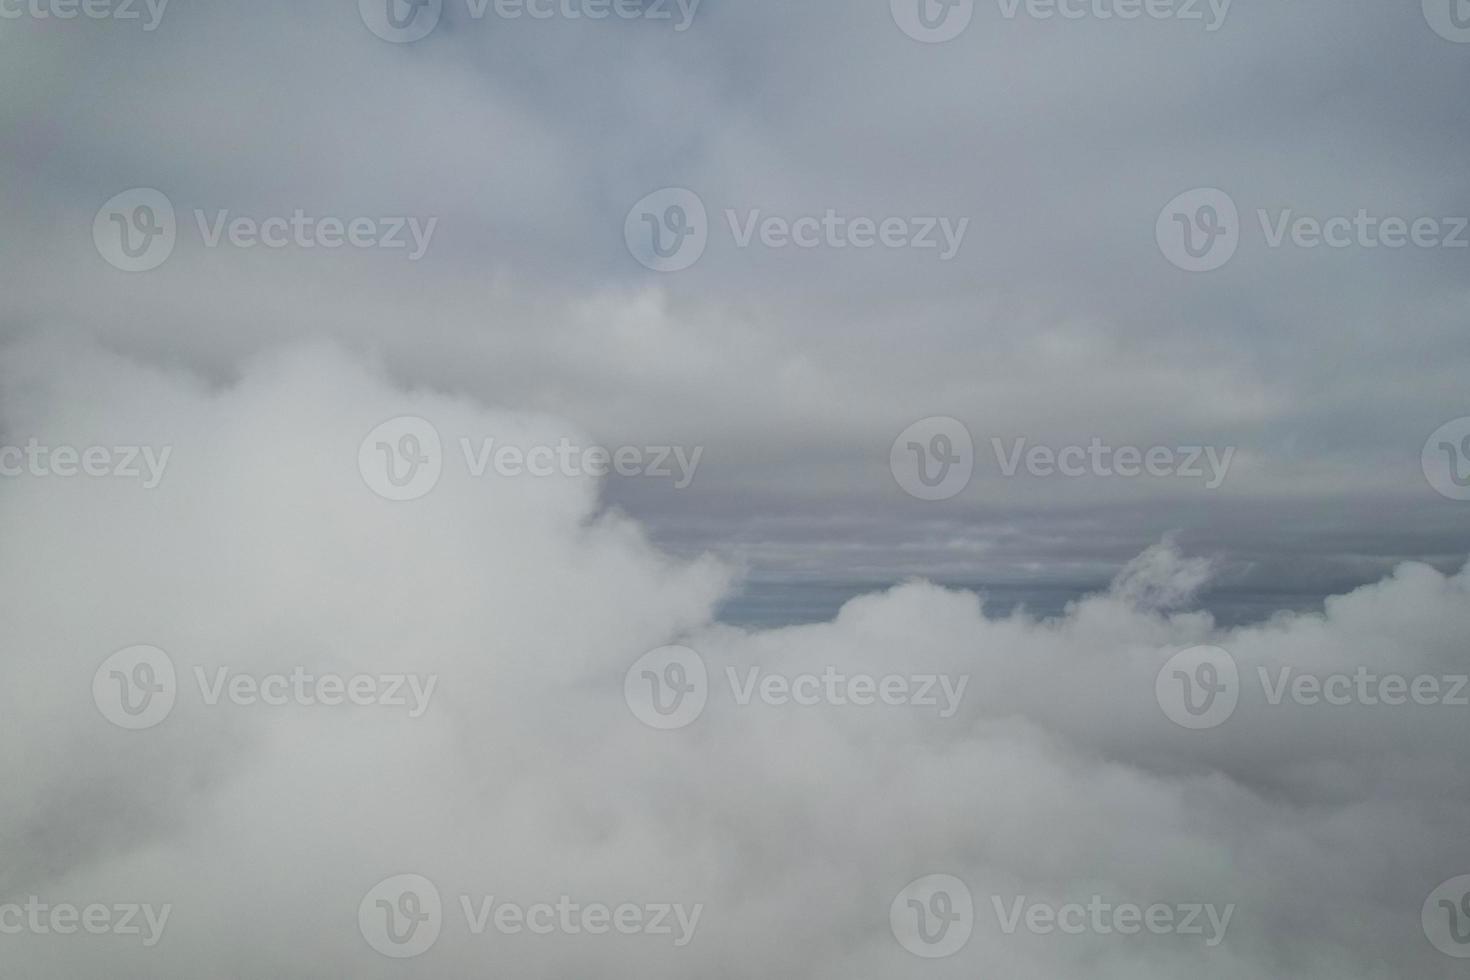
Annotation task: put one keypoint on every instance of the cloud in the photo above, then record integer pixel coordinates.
(1058, 321)
(528, 778)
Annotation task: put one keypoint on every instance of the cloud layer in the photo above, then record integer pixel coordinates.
(1059, 320)
(793, 827)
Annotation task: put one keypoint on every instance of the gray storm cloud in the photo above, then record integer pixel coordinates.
(1058, 321)
(792, 827)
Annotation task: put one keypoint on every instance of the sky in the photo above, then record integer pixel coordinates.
(1058, 320)
(551, 351)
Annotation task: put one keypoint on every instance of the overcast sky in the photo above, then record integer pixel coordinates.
(914, 310)
(1058, 318)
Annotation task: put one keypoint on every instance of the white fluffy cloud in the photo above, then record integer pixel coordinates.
(528, 778)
